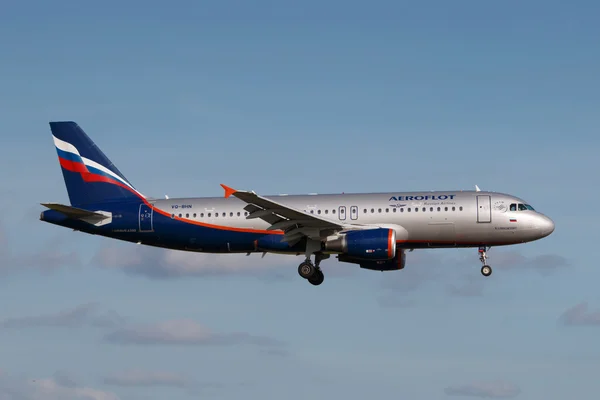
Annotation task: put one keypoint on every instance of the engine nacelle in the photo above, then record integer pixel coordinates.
(369, 244)
(396, 263)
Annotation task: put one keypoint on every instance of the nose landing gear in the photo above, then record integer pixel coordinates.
(486, 270)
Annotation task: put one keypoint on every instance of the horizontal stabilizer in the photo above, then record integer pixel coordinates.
(76, 213)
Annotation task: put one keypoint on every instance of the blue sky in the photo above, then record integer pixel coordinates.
(301, 97)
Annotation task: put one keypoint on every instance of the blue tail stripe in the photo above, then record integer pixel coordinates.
(68, 156)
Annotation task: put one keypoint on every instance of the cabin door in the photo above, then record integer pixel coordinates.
(146, 214)
(484, 208)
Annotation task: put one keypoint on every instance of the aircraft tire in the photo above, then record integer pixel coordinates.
(486, 270)
(306, 270)
(318, 278)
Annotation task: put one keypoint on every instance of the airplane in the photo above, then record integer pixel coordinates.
(371, 230)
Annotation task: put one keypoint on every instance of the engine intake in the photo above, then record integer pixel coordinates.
(369, 244)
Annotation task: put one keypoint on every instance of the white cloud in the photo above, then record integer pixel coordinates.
(12, 388)
(579, 315)
(48, 389)
(50, 257)
(84, 314)
(160, 263)
(182, 332)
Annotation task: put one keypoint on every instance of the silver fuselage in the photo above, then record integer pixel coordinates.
(420, 219)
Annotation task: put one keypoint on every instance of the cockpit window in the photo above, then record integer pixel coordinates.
(522, 207)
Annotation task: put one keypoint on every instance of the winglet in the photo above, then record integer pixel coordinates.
(228, 191)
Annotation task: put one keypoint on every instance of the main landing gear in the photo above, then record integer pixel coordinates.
(486, 270)
(312, 272)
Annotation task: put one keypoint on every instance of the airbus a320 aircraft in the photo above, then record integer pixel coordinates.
(372, 230)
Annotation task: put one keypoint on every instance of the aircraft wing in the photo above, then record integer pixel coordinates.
(295, 223)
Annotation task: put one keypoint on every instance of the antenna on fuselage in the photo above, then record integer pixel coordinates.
(477, 188)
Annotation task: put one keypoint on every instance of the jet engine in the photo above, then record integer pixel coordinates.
(369, 244)
(394, 264)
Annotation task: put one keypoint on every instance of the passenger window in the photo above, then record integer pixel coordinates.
(416, 209)
(201, 215)
(439, 209)
(513, 207)
(372, 210)
(460, 208)
(179, 215)
(326, 211)
(387, 210)
(365, 211)
(424, 209)
(453, 208)
(187, 215)
(379, 210)
(318, 211)
(430, 208)
(408, 209)
(216, 214)
(394, 209)
(194, 215)
(333, 211)
(402, 210)
(445, 208)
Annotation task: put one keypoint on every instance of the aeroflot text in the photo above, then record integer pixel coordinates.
(434, 197)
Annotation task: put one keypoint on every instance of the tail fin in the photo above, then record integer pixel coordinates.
(90, 177)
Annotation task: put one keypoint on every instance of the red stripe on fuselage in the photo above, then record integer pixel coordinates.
(90, 177)
(221, 227)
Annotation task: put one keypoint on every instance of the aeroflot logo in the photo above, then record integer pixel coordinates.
(432, 197)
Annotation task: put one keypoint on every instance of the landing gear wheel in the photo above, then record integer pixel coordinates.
(486, 270)
(306, 270)
(317, 278)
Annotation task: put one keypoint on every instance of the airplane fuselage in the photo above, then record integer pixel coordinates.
(421, 219)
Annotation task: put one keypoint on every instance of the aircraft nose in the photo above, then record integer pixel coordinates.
(546, 225)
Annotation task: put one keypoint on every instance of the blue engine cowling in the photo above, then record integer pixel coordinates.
(369, 244)
(396, 263)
